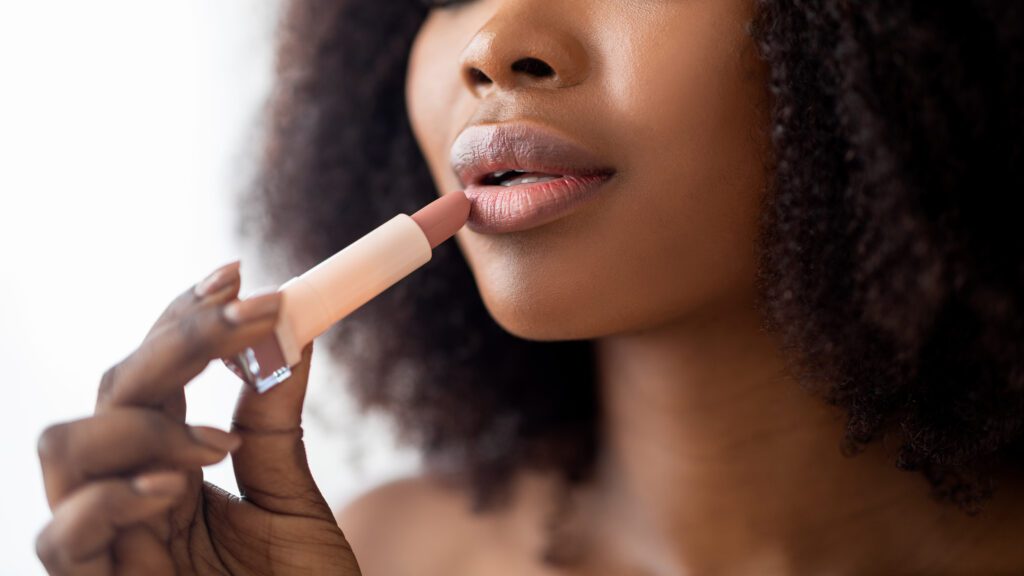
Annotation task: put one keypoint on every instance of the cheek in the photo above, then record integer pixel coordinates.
(431, 94)
(688, 99)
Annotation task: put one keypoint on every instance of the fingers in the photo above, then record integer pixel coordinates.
(138, 551)
(279, 408)
(122, 441)
(221, 285)
(109, 504)
(78, 539)
(270, 466)
(179, 350)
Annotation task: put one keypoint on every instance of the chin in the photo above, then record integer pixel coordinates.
(531, 300)
(579, 278)
(538, 326)
(534, 304)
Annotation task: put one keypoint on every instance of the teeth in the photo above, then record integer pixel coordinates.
(529, 180)
(517, 177)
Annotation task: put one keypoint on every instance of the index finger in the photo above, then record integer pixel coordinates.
(178, 351)
(221, 285)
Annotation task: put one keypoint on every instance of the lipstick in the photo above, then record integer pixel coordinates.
(314, 301)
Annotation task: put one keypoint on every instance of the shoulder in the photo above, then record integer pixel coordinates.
(415, 525)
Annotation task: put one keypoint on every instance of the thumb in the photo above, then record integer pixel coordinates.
(270, 465)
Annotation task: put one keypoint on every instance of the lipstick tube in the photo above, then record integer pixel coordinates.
(314, 301)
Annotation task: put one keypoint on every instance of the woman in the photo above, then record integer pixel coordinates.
(784, 335)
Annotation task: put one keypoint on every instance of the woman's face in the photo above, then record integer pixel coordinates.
(669, 93)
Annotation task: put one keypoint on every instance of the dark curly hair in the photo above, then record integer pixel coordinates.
(890, 258)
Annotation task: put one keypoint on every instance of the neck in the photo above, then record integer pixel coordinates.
(716, 461)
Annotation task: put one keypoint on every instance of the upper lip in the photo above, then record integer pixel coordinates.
(483, 149)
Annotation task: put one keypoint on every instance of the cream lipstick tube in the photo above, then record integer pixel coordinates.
(323, 295)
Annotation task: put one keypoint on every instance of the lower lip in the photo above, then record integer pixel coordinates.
(502, 209)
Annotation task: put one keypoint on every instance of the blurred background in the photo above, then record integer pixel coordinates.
(126, 129)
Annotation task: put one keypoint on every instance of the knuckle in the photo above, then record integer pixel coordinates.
(106, 498)
(53, 442)
(160, 435)
(154, 426)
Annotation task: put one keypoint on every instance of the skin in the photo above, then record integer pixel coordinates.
(685, 194)
(713, 461)
(126, 484)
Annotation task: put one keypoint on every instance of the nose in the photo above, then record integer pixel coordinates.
(524, 46)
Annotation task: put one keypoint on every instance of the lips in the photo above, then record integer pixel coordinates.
(521, 175)
(483, 152)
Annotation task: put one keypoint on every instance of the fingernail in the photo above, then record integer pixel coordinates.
(218, 279)
(253, 307)
(216, 439)
(158, 484)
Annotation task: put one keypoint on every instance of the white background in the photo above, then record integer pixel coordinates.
(126, 128)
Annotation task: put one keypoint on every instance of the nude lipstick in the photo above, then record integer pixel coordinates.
(521, 175)
(314, 301)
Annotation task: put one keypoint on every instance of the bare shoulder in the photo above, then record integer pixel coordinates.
(414, 525)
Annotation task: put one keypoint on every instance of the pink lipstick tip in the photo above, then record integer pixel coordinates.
(442, 218)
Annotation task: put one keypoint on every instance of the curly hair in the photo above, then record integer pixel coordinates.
(890, 260)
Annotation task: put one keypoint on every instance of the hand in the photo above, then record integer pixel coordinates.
(126, 484)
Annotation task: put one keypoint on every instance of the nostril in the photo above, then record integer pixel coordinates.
(476, 76)
(533, 66)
